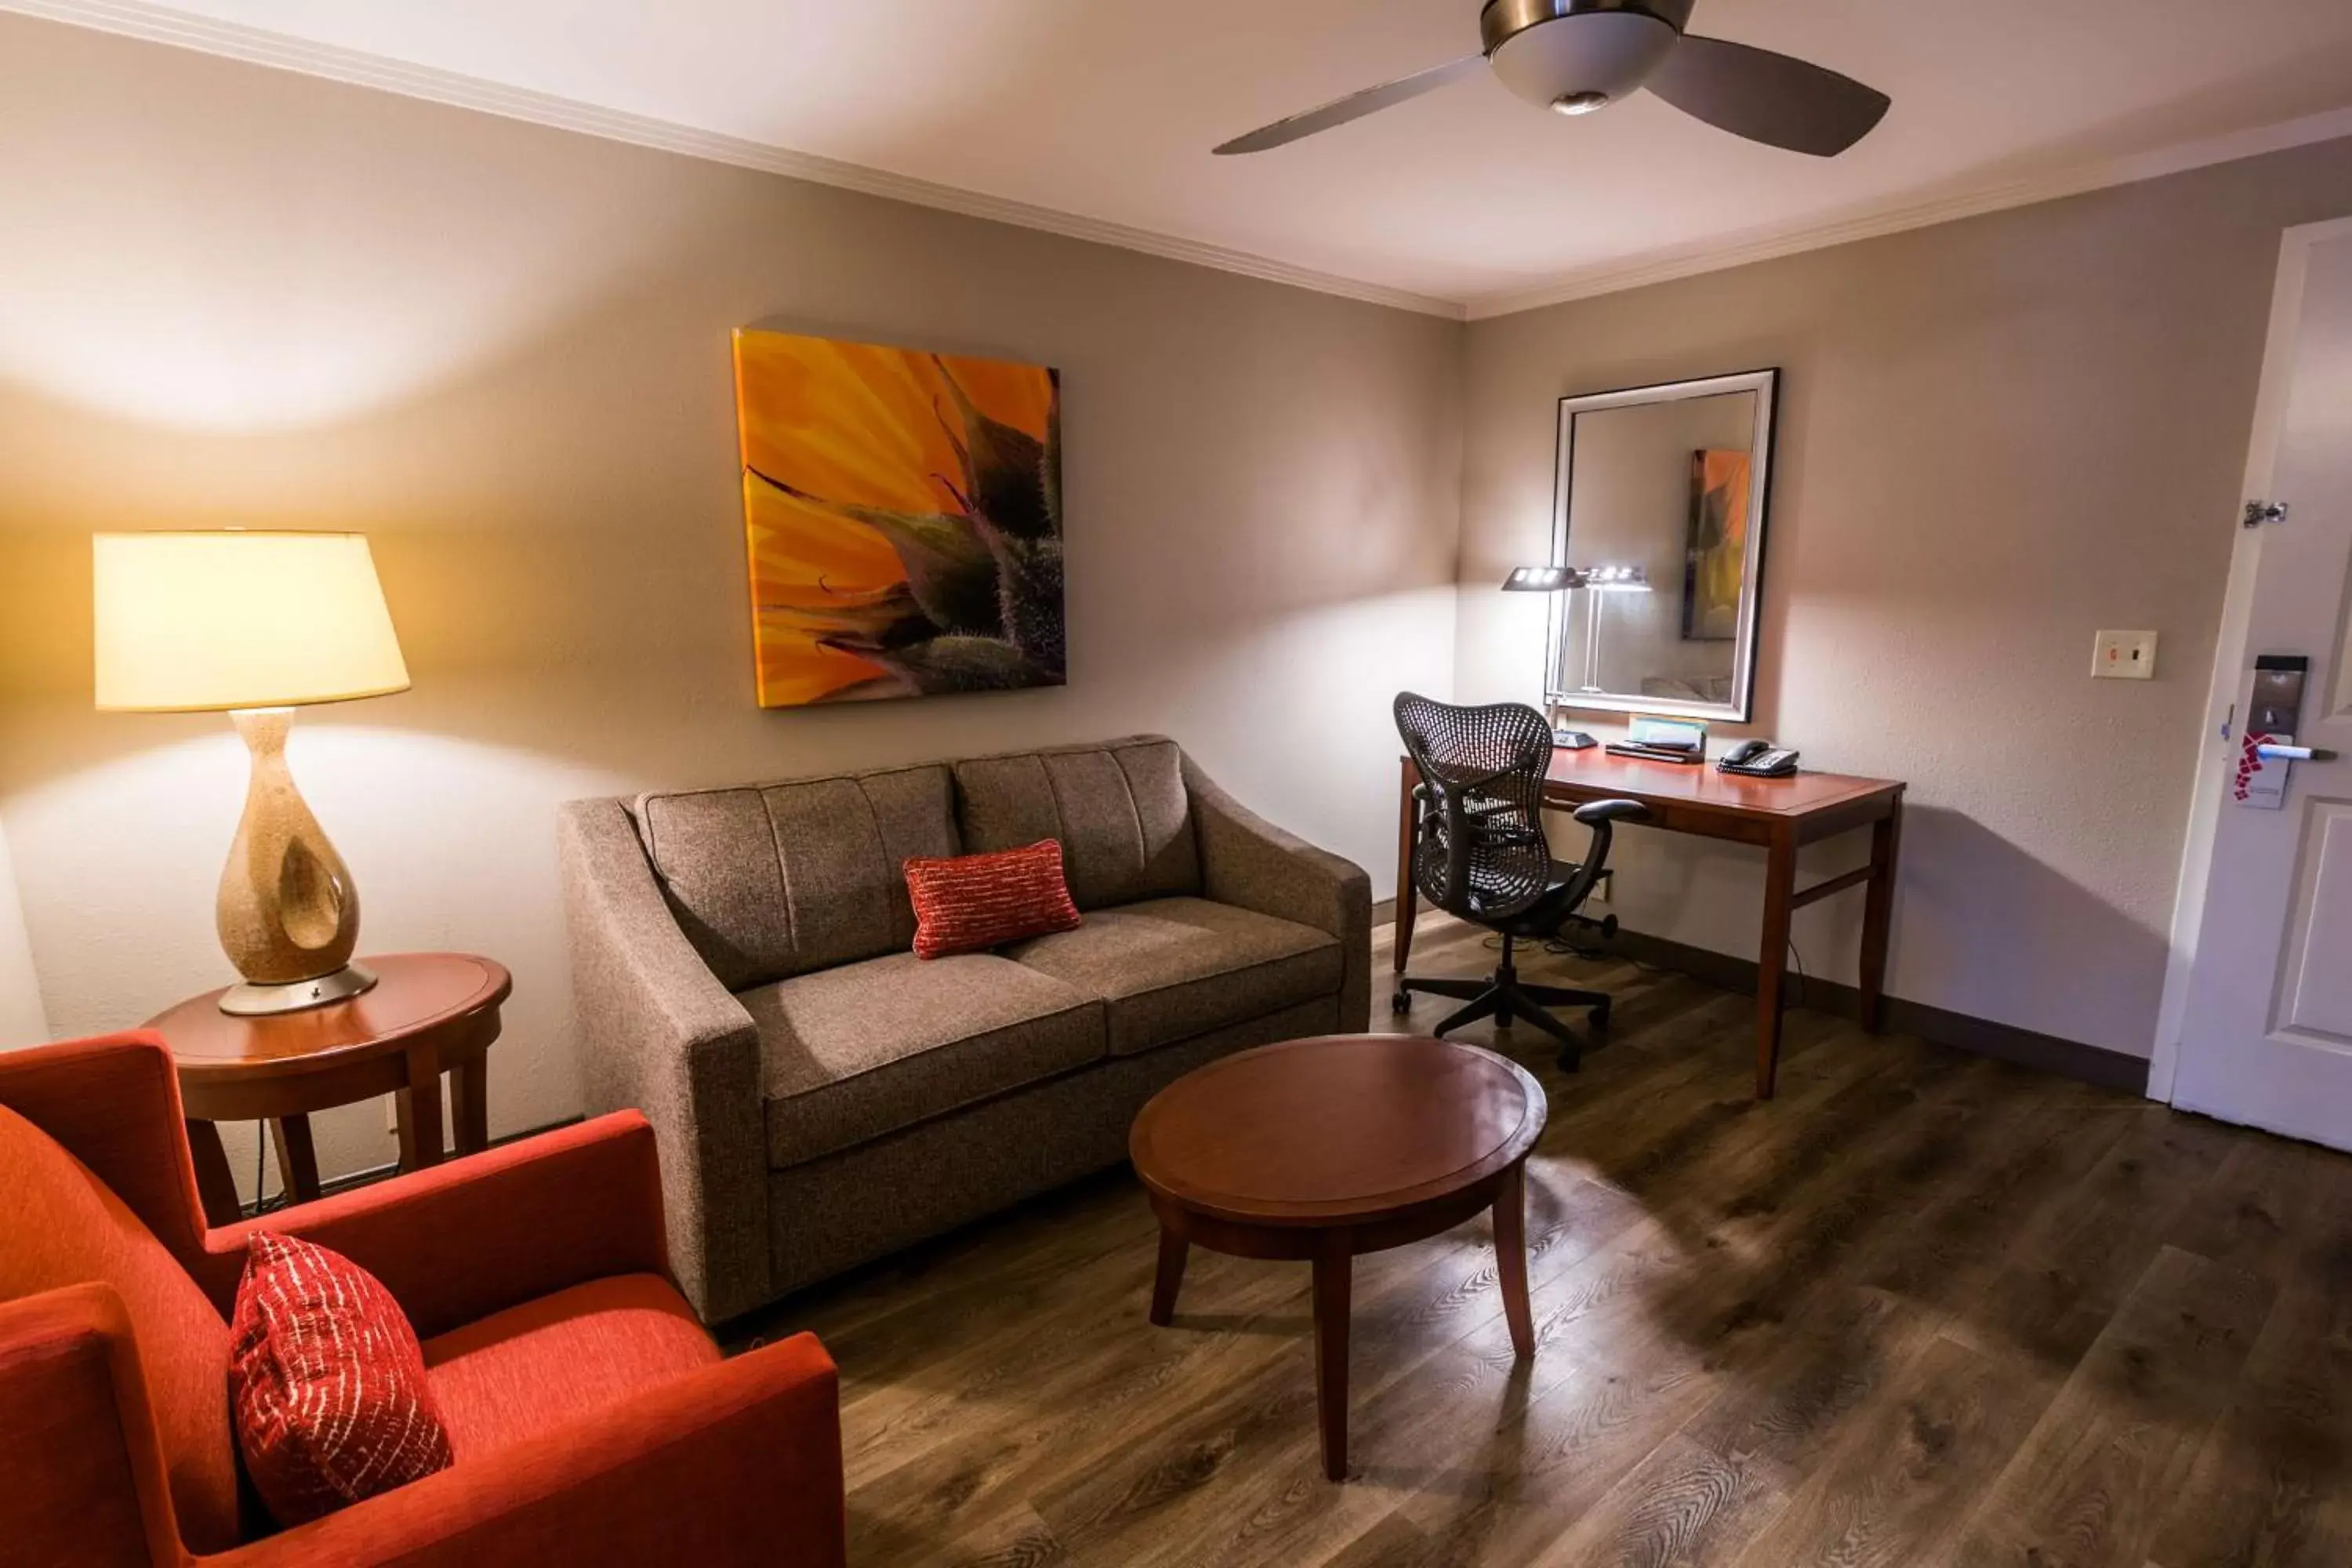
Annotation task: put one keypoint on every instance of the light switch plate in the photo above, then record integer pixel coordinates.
(2124, 655)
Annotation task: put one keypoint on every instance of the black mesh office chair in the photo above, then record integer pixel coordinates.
(1479, 854)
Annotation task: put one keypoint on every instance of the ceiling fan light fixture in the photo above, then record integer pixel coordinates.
(1581, 56)
(1574, 57)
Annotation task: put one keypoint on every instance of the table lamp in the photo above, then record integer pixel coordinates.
(256, 625)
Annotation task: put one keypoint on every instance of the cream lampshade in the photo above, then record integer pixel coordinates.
(255, 625)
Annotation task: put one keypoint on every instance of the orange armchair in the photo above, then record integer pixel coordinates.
(593, 1419)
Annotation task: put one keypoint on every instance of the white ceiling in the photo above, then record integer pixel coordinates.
(1104, 110)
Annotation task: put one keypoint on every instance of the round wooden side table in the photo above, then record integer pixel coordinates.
(429, 1013)
(1324, 1149)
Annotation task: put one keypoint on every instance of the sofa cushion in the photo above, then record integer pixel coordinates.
(778, 880)
(1170, 968)
(62, 1226)
(852, 1053)
(544, 1364)
(1119, 809)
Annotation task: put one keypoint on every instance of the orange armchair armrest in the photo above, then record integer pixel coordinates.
(739, 1462)
(82, 1477)
(461, 1240)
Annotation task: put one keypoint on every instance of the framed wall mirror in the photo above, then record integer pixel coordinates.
(1661, 501)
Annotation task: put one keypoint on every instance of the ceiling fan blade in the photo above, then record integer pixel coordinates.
(1355, 106)
(1767, 97)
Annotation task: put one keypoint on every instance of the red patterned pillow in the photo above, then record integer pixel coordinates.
(974, 902)
(327, 1382)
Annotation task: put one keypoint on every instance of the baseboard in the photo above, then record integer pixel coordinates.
(2006, 1042)
(329, 1186)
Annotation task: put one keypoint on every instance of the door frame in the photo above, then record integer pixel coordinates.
(2230, 648)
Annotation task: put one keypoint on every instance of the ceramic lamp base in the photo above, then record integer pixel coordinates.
(258, 1001)
(287, 914)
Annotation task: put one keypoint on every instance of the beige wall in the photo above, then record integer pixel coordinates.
(234, 296)
(1996, 437)
(22, 1021)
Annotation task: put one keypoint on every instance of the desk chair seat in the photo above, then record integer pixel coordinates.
(1480, 854)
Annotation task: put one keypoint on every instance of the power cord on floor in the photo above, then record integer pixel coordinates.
(262, 1202)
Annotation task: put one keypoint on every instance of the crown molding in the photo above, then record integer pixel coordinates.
(280, 51)
(1896, 217)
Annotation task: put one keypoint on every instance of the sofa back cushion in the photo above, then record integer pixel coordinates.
(60, 1226)
(1119, 809)
(772, 881)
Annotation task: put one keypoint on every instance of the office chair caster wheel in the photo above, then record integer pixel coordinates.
(1401, 1003)
(1600, 1017)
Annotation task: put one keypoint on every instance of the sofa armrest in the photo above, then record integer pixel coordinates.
(658, 1032)
(739, 1462)
(82, 1477)
(1247, 861)
(459, 1241)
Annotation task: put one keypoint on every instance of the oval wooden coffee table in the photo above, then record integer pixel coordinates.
(1322, 1149)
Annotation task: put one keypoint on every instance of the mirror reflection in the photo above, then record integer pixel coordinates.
(1662, 514)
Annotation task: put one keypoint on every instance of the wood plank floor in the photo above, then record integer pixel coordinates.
(1923, 1309)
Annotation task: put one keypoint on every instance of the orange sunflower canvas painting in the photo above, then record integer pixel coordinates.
(904, 516)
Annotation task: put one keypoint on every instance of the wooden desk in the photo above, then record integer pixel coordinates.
(1778, 815)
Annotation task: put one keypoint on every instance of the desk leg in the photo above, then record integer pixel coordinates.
(1407, 901)
(214, 1184)
(420, 1111)
(1878, 914)
(1772, 957)
(298, 1159)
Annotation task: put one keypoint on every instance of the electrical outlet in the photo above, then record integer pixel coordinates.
(392, 1116)
(2124, 655)
(1603, 889)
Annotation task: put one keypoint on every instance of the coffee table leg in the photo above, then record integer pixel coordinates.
(1333, 1253)
(1511, 1257)
(1171, 1278)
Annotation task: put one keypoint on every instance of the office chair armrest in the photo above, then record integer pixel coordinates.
(1601, 816)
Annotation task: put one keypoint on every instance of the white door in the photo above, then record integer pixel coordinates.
(2266, 1031)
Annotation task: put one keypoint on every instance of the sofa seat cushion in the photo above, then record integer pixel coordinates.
(853, 1053)
(1168, 969)
(544, 1364)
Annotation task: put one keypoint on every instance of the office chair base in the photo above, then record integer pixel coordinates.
(1505, 1000)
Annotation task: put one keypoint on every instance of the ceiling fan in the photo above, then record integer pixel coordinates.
(1579, 55)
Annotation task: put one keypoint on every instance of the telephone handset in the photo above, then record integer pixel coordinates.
(1759, 760)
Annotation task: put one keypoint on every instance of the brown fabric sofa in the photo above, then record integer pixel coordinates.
(743, 968)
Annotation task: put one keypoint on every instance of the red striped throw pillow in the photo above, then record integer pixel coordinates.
(327, 1382)
(974, 902)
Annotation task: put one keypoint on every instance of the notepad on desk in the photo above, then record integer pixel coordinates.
(1663, 740)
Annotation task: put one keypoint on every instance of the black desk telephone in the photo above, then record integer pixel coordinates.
(1759, 760)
